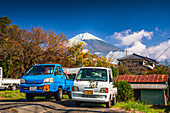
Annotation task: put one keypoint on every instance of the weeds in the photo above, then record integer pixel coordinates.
(136, 106)
(12, 94)
(8, 94)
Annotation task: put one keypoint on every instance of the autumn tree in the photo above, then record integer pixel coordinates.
(21, 49)
(79, 58)
(102, 62)
(159, 69)
(76, 56)
(123, 70)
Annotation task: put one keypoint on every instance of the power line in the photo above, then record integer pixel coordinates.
(163, 52)
(151, 46)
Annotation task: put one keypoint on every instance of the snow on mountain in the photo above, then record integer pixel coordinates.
(85, 36)
(94, 44)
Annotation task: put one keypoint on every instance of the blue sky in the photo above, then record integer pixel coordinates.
(102, 18)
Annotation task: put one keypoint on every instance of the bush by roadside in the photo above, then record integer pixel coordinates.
(124, 91)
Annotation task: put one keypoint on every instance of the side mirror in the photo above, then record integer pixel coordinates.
(111, 80)
(65, 72)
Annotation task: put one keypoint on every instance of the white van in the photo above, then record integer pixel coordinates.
(94, 84)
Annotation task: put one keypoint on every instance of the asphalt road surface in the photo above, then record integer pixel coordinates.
(50, 106)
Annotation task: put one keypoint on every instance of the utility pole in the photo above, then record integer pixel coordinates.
(126, 52)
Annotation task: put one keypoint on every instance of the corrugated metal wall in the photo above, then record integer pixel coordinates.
(152, 96)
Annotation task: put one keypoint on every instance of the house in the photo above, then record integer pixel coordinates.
(152, 89)
(137, 64)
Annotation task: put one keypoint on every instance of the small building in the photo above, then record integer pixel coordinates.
(137, 64)
(151, 89)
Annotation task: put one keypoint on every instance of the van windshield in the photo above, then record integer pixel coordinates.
(40, 70)
(92, 75)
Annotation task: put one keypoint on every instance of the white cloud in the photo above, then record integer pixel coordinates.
(113, 56)
(156, 51)
(133, 43)
(128, 37)
(136, 48)
(85, 50)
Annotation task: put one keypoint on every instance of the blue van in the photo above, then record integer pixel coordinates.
(45, 80)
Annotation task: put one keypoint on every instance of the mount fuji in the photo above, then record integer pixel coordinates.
(94, 44)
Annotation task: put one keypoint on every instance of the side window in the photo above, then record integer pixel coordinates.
(57, 71)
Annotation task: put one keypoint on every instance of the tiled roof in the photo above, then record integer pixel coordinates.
(143, 78)
(135, 56)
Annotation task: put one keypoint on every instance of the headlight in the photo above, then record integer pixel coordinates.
(48, 80)
(22, 81)
(104, 90)
(75, 88)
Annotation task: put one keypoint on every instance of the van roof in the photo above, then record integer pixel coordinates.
(94, 68)
(46, 64)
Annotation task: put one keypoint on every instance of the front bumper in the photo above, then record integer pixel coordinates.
(96, 97)
(39, 88)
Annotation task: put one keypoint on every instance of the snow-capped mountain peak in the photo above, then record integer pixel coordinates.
(94, 44)
(85, 36)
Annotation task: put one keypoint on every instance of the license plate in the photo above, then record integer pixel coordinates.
(46, 87)
(33, 88)
(88, 92)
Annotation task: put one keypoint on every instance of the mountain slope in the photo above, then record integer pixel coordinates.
(94, 44)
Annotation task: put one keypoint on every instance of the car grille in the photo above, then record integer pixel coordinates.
(33, 82)
(89, 96)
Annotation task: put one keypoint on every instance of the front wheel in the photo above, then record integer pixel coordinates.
(14, 87)
(114, 101)
(29, 97)
(58, 95)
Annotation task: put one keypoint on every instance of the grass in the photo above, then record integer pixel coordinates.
(8, 94)
(138, 106)
(12, 94)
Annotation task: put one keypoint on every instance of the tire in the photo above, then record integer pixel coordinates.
(69, 94)
(29, 97)
(108, 104)
(14, 87)
(114, 101)
(58, 95)
(78, 104)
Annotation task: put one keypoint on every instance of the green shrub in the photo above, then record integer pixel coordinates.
(124, 91)
(115, 71)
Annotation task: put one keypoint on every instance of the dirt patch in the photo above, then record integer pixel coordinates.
(123, 110)
(2, 98)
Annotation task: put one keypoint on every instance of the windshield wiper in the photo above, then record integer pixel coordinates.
(85, 79)
(100, 80)
(35, 74)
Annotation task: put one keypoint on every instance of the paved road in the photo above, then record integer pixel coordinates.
(50, 106)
